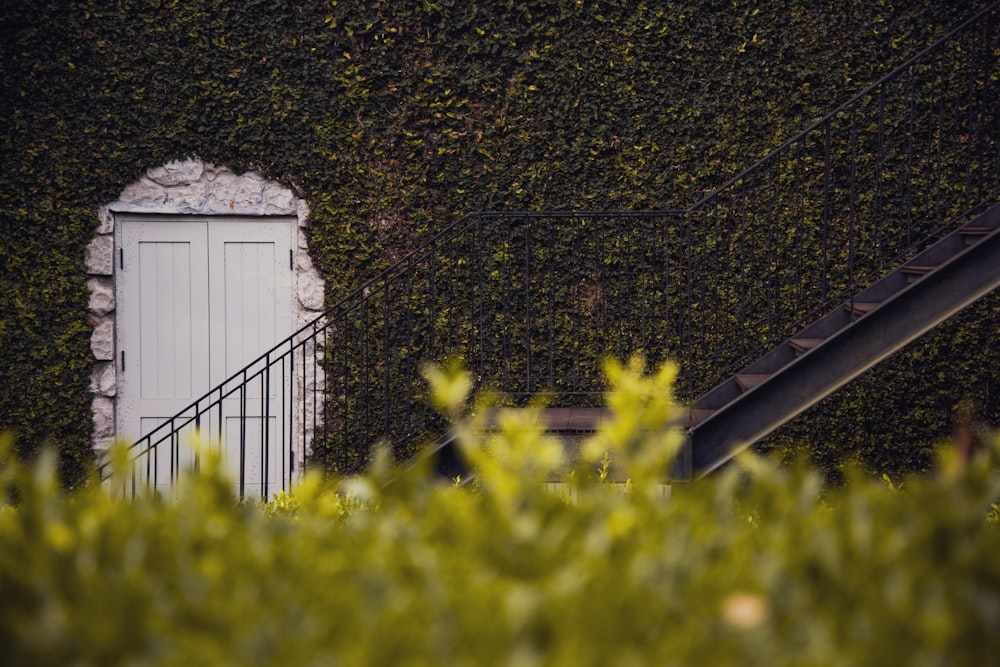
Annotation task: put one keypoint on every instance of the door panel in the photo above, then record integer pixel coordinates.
(252, 286)
(166, 302)
(163, 320)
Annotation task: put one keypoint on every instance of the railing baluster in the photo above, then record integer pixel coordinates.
(880, 139)
(286, 433)
(265, 425)
(853, 219)
(219, 424)
(387, 418)
(243, 435)
(826, 209)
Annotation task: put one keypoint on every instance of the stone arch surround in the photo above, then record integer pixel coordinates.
(185, 187)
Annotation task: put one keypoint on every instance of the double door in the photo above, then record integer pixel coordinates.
(198, 298)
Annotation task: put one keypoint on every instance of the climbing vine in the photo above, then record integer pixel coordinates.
(392, 119)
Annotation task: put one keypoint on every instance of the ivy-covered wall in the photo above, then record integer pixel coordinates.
(392, 119)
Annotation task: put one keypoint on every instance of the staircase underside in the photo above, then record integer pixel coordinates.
(878, 321)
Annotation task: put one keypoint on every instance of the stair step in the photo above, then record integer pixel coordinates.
(861, 307)
(918, 269)
(748, 381)
(915, 272)
(697, 415)
(803, 345)
(972, 233)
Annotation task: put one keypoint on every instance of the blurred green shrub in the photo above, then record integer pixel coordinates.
(758, 565)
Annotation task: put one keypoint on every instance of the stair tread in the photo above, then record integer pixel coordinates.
(920, 269)
(697, 415)
(805, 344)
(862, 307)
(748, 381)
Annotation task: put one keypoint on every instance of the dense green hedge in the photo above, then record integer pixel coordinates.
(392, 120)
(758, 565)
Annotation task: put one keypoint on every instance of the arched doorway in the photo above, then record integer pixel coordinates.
(195, 271)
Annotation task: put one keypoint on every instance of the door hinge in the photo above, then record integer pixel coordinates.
(121, 258)
(123, 361)
(291, 262)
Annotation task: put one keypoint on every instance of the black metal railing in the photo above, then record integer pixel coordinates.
(533, 302)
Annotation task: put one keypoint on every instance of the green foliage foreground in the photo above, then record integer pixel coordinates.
(757, 565)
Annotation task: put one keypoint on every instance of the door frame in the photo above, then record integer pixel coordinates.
(209, 238)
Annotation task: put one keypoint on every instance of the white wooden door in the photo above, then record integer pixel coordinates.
(199, 298)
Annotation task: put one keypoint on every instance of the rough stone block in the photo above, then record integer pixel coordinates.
(104, 418)
(102, 295)
(107, 224)
(145, 193)
(103, 379)
(102, 342)
(302, 210)
(99, 256)
(234, 194)
(177, 172)
(279, 200)
(303, 262)
(310, 290)
(188, 198)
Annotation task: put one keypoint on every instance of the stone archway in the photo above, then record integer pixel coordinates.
(188, 187)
